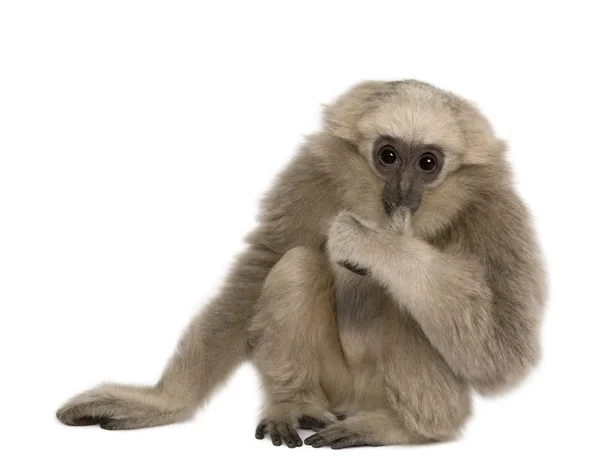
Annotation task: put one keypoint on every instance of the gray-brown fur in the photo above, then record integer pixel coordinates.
(451, 301)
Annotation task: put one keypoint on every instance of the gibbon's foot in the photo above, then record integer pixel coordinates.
(279, 431)
(288, 432)
(282, 422)
(338, 436)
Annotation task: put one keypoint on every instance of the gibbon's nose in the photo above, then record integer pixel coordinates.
(410, 196)
(403, 192)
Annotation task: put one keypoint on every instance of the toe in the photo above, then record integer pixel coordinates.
(312, 423)
(286, 435)
(260, 430)
(275, 436)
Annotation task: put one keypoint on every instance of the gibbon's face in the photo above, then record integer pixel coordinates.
(414, 137)
(406, 169)
(412, 142)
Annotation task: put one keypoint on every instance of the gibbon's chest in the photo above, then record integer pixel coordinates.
(361, 308)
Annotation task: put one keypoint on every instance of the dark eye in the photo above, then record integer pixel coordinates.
(428, 162)
(387, 155)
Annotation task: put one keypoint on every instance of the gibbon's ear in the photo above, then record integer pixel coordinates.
(484, 149)
(342, 116)
(483, 146)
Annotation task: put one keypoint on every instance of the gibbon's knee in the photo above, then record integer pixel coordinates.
(296, 290)
(301, 273)
(299, 266)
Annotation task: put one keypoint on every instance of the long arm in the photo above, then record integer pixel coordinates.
(480, 311)
(216, 342)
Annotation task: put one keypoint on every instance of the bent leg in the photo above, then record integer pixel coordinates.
(297, 348)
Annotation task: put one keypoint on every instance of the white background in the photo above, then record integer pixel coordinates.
(135, 141)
